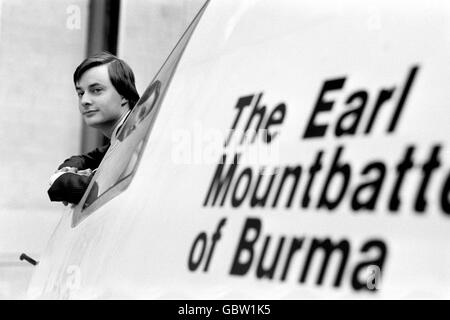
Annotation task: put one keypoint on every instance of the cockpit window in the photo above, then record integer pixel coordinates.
(142, 109)
(120, 163)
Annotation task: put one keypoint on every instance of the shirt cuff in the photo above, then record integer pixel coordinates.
(54, 177)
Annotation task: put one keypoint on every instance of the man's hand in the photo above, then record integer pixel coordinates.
(72, 205)
(86, 172)
(67, 169)
(61, 171)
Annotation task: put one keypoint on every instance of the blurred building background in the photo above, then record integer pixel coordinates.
(41, 44)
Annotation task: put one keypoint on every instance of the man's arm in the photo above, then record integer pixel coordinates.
(72, 178)
(89, 160)
(69, 187)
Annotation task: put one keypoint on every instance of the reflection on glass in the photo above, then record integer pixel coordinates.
(141, 110)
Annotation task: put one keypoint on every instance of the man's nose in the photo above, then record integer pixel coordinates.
(85, 100)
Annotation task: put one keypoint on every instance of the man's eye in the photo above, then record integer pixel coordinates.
(97, 90)
(80, 94)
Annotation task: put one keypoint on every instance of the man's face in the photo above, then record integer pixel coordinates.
(99, 102)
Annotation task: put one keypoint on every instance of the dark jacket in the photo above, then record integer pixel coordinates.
(69, 186)
(90, 160)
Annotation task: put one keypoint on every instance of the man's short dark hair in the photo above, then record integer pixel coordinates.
(120, 74)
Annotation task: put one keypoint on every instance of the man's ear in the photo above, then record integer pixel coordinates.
(124, 101)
